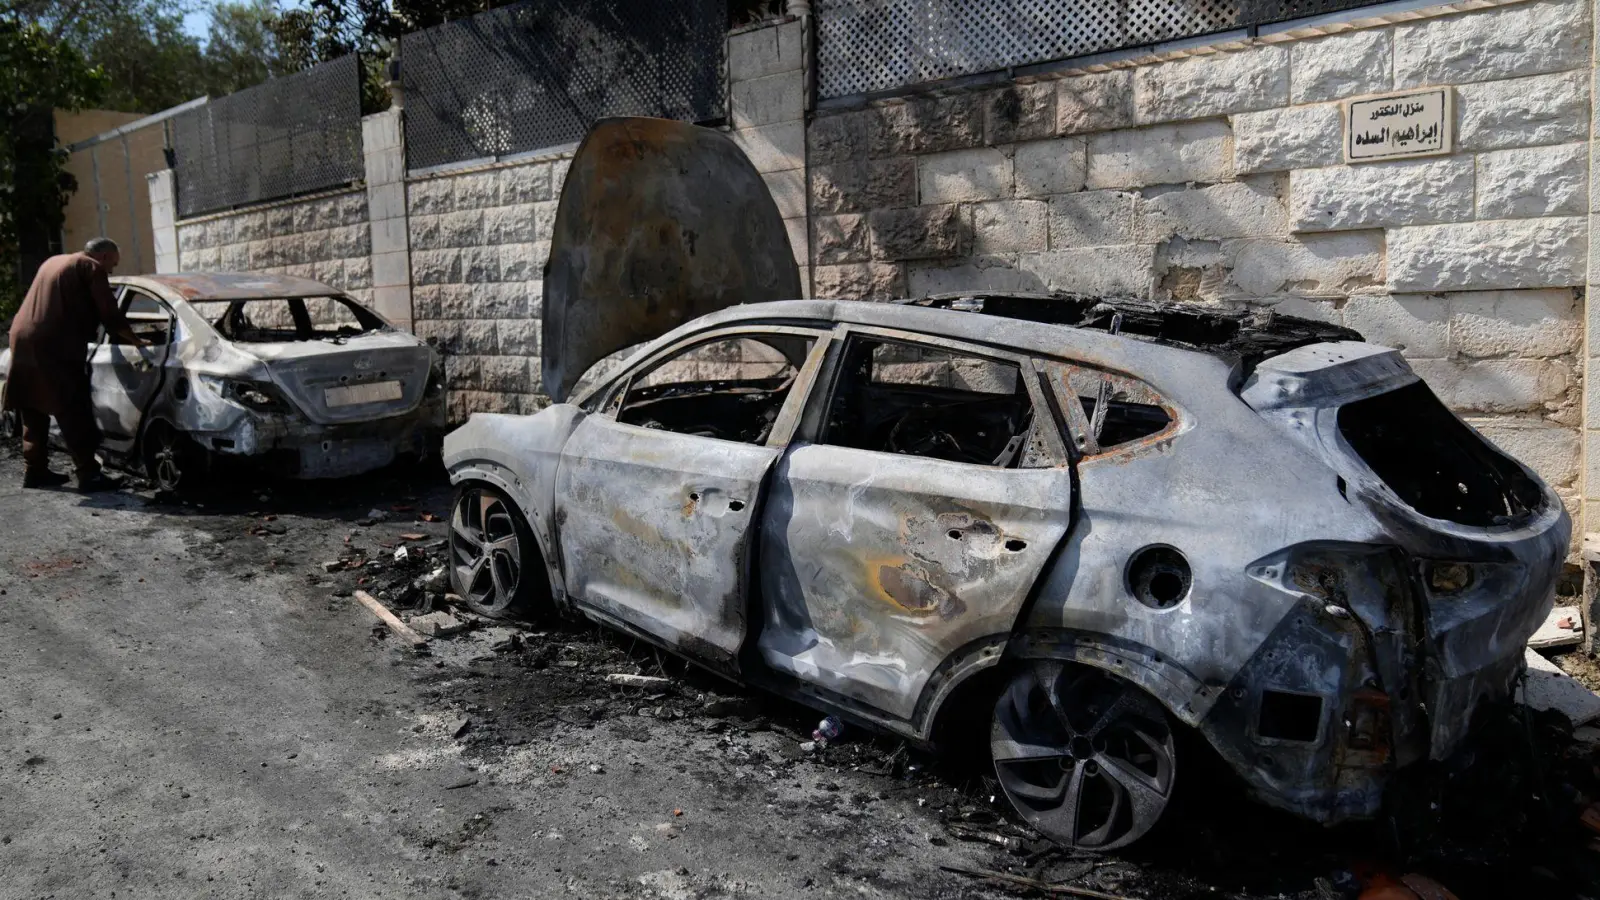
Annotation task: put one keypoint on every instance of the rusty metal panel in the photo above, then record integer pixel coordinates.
(876, 567)
(659, 222)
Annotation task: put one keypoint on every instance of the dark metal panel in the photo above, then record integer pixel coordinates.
(659, 222)
(288, 136)
(535, 75)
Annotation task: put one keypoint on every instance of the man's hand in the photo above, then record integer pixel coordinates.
(128, 337)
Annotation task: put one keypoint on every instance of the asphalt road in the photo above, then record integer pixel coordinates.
(191, 707)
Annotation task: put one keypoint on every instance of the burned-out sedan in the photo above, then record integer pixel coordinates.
(1084, 526)
(280, 371)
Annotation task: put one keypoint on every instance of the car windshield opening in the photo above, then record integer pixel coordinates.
(917, 400)
(1434, 462)
(285, 319)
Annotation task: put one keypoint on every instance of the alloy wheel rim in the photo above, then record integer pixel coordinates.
(1086, 758)
(485, 552)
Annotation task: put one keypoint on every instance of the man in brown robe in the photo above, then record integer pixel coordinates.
(50, 341)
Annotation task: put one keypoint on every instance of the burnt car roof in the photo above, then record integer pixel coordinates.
(1245, 335)
(237, 285)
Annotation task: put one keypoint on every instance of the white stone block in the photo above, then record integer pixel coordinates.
(1215, 84)
(976, 274)
(385, 166)
(1010, 226)
(389, 235)
(1516, 323)
(1549, 449)
(1340, 66)
(1418, 325)
(771, 148)
(1534, 181)
(1123, 271)
(764, 101)
(387, 201)
(1043, 168)
(1091, 219)
(1519, 39)
(1164, 154)
(766, 51)
(788, 190)
(1507, 253)
(380, 131)
(1239, 209)
(1097, 102)
(959, 175)
(1312, 265)
(1278, 140)
(393, 303)
(1494, 385)
(1524, 112)
(391, 269)
(1379, 195)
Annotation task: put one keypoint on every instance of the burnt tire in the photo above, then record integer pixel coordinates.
(494, 562)
(1085, 757)
(173, 463)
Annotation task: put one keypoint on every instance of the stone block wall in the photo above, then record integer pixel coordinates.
(1217, 178)
(323, 238)
(479, 243)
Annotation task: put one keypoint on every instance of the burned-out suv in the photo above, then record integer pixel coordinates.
(1119, 519)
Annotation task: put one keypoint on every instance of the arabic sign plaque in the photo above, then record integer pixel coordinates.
(1399, 126)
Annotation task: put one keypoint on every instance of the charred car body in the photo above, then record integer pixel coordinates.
(276, 370)
(1124, 519)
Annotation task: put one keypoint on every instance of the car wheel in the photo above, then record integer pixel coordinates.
(494, 562)
(171, 461)
(1085, 757)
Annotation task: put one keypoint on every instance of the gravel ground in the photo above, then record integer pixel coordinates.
(192, 707)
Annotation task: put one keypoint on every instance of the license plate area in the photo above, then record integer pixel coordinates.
(358, 394)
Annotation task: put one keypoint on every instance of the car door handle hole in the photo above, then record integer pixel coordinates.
(1016, 546)
(694, 496)
(736, 505)
(955, 534)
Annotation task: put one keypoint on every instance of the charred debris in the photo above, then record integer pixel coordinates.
(1245, 335)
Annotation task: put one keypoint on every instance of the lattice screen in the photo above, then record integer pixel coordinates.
(287, 136)
(866, 46)
(538, 74)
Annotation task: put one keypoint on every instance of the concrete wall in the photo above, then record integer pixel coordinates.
(1216, 178)
(111, 199)
(323, 238)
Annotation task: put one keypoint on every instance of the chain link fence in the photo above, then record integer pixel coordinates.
(288, 136)
(871, 46)
(538, 74)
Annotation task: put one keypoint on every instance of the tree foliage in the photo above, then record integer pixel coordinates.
(38, 73)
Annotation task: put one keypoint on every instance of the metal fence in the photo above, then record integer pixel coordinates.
(871, 46)
(288, 136)
(538, 74)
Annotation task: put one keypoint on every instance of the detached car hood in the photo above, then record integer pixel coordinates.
(659, 222)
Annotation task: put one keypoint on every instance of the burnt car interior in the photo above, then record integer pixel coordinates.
(1435, 463)
(905, 398)
(1246, 335)
(1128, 409)
(730, 388)
(282, 320)
(150, 320)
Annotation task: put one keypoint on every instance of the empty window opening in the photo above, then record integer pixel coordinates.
(1119, 410)
(149, 319)
(916, 400)
(729, 388)
(1433, 462)
(1290, 717)
(284, 320)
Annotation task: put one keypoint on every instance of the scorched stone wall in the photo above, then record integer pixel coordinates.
(1217, 178)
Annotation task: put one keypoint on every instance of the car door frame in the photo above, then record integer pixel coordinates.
(125, 293)
(607, 403)
(967, 659)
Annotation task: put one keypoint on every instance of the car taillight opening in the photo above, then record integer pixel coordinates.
(1434, 463)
